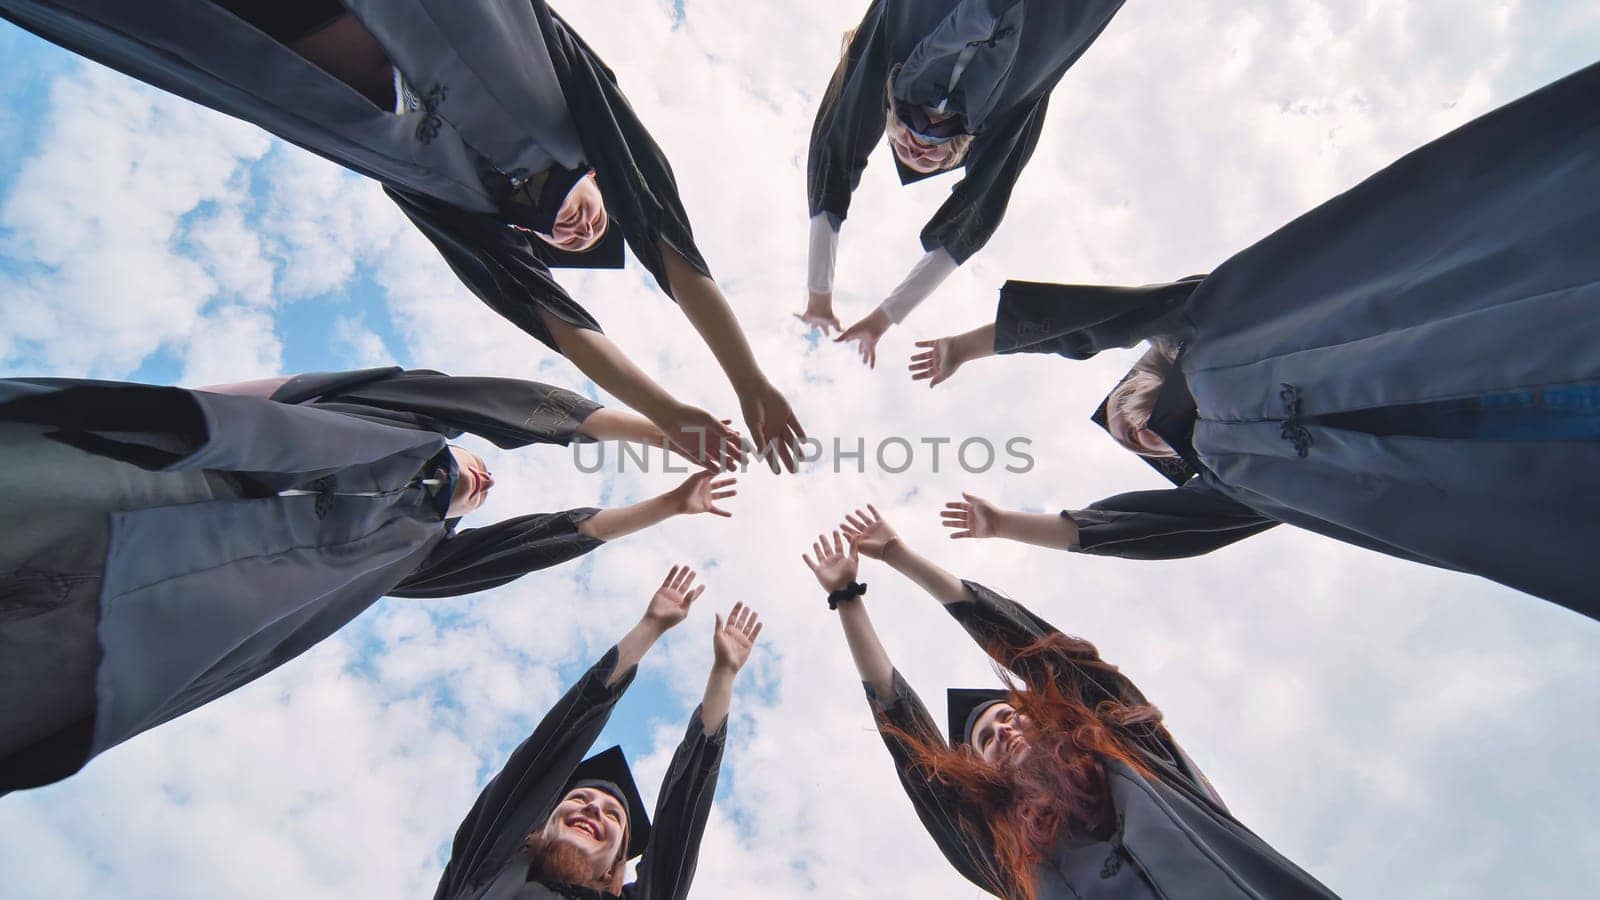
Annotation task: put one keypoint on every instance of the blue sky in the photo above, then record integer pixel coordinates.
(1398, 731)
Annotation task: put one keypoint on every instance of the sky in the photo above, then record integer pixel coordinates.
(1398, 731)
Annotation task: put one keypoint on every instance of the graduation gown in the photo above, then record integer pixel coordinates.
(1173, 836)
(1323, 369)
(1011, 53)
(508, 89)
(486, 859)
(188, 543)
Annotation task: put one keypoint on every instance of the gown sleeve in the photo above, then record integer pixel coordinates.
(679, 820)
(1078, 321)
(960, 835)
(529, 786)
(1166, 524)
(977, 204)
(850, 119)
(510, 412)
(499, 264)
(478, 559)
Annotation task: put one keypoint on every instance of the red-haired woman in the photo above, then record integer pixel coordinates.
(1067, 785)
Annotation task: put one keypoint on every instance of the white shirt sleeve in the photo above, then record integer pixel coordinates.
(925, 277)
(824, 252)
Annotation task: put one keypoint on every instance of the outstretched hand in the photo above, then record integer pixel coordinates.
(936, 362)
(702, 438)
(868, 532)
(670, 603)
(866, 334)
(773, 424)
(819, 313)
(970, 517)
(732, 640)
(835, 567)
(700, 492)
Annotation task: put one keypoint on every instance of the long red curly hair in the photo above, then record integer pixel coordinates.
(1059, 789)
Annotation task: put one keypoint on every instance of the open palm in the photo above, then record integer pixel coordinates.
(731, 640)
(700, 492)
(868, 532)
(670, 603)
(936, 361)
(835, 565)
(970, 517)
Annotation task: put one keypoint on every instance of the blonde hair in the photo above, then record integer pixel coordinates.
(1134, 400)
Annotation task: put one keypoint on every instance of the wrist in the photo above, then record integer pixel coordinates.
(652, 629)
(724, 670)
(894, 552)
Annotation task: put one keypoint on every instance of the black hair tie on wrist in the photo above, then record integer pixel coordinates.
(854, 590)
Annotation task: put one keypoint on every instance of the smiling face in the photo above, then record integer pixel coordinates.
(473, 482)
(581, 221)
(592, 824)
(997, 735)
(917, 154)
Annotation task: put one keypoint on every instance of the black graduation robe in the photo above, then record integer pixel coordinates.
(494, 74)
(1025, 47)
(1173, 835)
(188, 574)
(486, 860)
(1322, 364)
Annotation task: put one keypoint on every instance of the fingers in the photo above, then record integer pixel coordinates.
(684, 580)
(809, 564)
(717, 628)
(931, 343)
(672, 575)
(838, 543)
(692, 596)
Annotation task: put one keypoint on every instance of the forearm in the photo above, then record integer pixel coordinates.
(718, 697)
(632, 648)
(611, 524)
(597, 357)
(872, 661)
(943, 586)
(708, 311)
(975, 344)
(606, 424)
(924, 278)
(1040, 529)
(260, 387)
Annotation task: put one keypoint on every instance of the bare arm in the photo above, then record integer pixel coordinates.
(694, 433)
(731, 641)
(766, 412)
(975, 517)
(698, 493)
(835, 568)
(607, 424)
(940, 358)
(874, 537)
(669, 605)
(260, 387)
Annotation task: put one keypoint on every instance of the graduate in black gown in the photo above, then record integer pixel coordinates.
(164, 546)
(1412, 367)
(1066, 785)
(498, 131)
(549, 826)
(953, 84)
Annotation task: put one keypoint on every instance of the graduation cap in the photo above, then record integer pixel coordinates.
(1172, 468)
(966, 705)
(608, 771)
